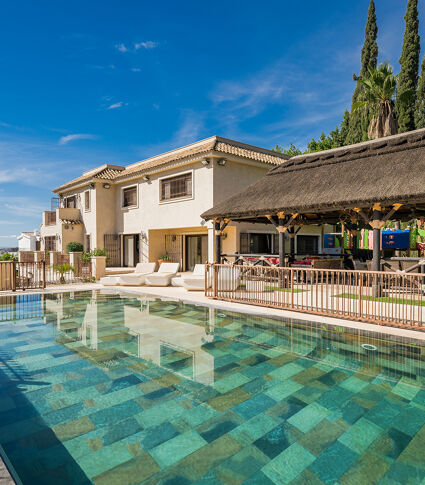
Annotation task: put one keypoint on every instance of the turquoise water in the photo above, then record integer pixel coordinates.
(118, 389)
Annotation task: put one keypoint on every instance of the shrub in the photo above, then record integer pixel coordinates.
(74, 247)
(86, 257)
(98, 252)
(8, 257)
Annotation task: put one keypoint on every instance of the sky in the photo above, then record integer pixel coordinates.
(89, 82)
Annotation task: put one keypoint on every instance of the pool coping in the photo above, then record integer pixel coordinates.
(198, 298)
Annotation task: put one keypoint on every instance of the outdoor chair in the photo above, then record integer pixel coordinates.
(195, 281)
(139, 271)
(138, 277)
(163, 276)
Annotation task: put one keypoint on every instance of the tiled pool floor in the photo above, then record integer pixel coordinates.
(111, 389)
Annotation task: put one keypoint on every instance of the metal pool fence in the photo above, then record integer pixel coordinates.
(25, 275)
(376, 297)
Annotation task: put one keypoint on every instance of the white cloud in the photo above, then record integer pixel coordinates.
(8, 237)
(121, 47)
(120, 104)
(148, 44)
(136, 69)
(63, 140)
(25, 209)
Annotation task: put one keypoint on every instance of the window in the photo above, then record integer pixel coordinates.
(307, 244)
(129, 197)
(50, 243)
(258, 243)
(176, 187)
(71, 202)
(87, 200)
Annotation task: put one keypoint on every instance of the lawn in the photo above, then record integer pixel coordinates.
(384, 299)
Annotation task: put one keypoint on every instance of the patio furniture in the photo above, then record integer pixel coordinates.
(141, 268)
(163, 276)
(195, 281)
(138, 277)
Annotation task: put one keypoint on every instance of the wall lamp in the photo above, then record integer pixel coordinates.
(146, 178)
(205, 162)
(92, 186)
(221, 162)
(106, 186)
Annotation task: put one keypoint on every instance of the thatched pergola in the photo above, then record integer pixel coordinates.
(363, 184)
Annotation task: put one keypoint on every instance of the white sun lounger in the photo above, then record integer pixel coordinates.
(163, 276)
(138, 277)
(114, 280)
(196, 280)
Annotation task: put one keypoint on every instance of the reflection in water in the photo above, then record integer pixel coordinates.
(185, 339)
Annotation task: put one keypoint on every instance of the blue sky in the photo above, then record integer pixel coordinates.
(85, 83)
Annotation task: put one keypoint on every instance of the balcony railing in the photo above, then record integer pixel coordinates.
(393, 298)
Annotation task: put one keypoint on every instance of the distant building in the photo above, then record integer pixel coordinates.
(29, 241)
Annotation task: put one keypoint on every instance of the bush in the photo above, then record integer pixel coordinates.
(98, 252)
(74, 247)
(8, 257)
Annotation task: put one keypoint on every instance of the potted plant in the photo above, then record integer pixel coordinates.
(165, 259)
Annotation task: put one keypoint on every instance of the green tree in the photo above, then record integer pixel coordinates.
(409, 66)
(420, 99)
(380, 91)
(323, 143)
(292, 151)
(359, 121)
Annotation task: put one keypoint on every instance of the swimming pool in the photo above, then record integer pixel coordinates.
(115, 389)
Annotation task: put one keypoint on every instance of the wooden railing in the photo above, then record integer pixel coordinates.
(376, 297)
(23, 276)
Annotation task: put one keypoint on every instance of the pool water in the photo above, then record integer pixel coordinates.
(120, 389)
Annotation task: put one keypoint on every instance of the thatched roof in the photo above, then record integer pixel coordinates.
(213, 146)
(388, 170)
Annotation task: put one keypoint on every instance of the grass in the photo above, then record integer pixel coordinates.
(277, 288)
(384, 299)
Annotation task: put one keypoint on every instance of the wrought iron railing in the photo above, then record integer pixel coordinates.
(394, 298)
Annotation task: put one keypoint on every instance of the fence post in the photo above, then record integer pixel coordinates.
(14, 276)
(215, 284)
(360, 295)
(44, 273)
(292, 287)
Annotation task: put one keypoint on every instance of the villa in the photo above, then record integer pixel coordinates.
(151, 209)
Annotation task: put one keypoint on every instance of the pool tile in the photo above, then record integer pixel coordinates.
(177, 448)
(282, 390)
(241, 466)
(253, 429)
(277, 440)
(322, 436)
(253, 406)
(286, 466)
(309, 417)
(360, 435)
(73, 428)
(333, 462)
(130, 472)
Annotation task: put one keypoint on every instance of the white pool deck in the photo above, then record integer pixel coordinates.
(198, 298)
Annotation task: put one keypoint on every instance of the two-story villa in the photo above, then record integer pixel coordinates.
(151, 209)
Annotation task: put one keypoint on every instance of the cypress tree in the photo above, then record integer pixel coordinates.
(420, 99)
(409, 66)
(359, 121)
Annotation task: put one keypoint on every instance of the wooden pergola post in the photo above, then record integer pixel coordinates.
(217, 242)
(376, 224)
(281, 222)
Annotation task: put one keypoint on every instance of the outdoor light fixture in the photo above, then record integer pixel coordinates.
(92, 186)
(221, 162)
(205, 162)
(146, 178)
(106, 186)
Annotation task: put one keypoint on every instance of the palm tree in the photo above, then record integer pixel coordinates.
(379, 96)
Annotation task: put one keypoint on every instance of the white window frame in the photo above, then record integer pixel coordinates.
(178, 199)
(85, 206)
(129, 207)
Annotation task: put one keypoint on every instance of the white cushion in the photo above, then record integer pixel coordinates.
(169, 268)
(145, 268)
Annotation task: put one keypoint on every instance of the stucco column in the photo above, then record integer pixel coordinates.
(74, 261)
(98, 267)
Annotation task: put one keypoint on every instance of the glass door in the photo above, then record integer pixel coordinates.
(196, 251)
